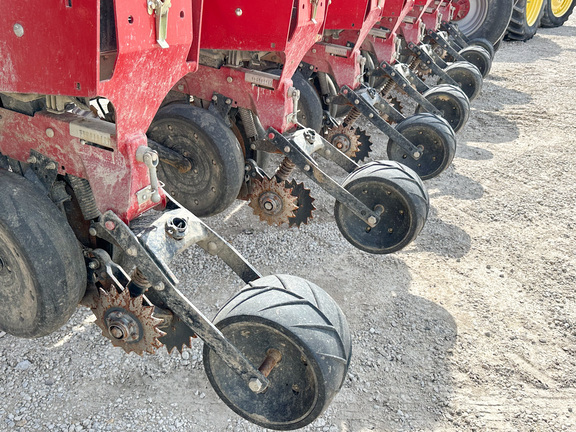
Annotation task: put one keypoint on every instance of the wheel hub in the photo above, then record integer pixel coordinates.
(560, 7)
(271, 203)
(341, 142)
(122, 326)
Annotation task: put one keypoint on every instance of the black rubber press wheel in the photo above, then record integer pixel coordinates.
(392, 189)
(467, 76)
(217, 160)
(479, 57)
(452, 102)
(301, 322)
(484, 43)
(435, 139)
(42, 269)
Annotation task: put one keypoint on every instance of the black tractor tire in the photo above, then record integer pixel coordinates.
(552, 18)
(522, 27)
(487, 19)
(398, 192)
(452, 102)
(468, 77)
(299, 319)
(436, 140)
(42, 268)
(217, 159)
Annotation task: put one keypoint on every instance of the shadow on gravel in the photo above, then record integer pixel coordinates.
(442, 238)
(452, 183)
(400, 376)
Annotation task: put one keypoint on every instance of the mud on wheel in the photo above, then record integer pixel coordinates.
(217, 172)
(301, 332)
(397, 193)
(435, 139)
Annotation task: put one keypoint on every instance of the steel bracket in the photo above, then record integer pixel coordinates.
(425, 54)
(152, 250)
(363, 103)
(300, 145)
(442, 42)
(406, 80)
(455, 32)
(221, 106)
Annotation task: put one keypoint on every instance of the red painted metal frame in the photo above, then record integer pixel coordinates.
(393, 14)
(412, 27)
(339, 56)
(65, 41)
(260, 27)
(433, 15)
(448, 11)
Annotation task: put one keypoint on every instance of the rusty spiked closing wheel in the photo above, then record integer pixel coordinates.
(299, 338)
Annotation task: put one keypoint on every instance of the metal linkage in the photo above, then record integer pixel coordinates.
(367, 103)
(433, 61)
(300, 146)
(407, 80)
(443, 43)
(454, 31)
(152, 250)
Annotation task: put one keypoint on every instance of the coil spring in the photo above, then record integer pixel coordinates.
(285, 169)
(352, 116)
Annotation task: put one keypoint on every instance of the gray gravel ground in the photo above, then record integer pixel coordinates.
(473, 327)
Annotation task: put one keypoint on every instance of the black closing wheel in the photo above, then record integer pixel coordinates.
(484, 43)
(479, 57)
(217, 160)
(435, 139)
(290, 318)
(467, 76)
(397, 193)
(452, 103)
(42, 269)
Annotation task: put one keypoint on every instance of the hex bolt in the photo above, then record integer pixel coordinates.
(93, 265)
(32, 160)
(51, 166)
(372, 220)
(49, 132)
(132, 251)
(229, 79)
(110, 225)
(238, 12)
(255, 385)
(92, 231)
(306, 167)
(160, 286)
(286, 149)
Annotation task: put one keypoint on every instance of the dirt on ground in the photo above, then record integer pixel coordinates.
(472, 327)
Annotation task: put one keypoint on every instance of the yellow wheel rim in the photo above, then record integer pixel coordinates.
(560, 7)
(533, 8)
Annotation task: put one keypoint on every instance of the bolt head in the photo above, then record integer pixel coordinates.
(229, 79)
(49, 132)
(372, 220)
(238, 12)
(110, 225)
(92, 232)
(18, 30)
(255, 385)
